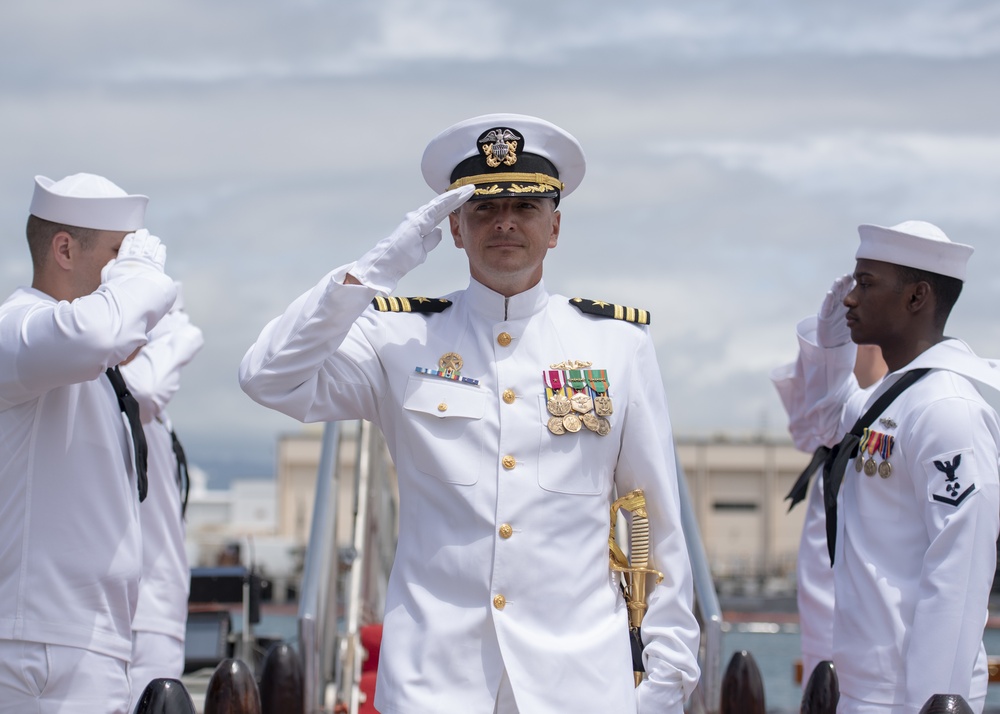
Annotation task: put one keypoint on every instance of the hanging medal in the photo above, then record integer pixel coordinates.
(558, 403)
(885, 468)
(580, 398)
(597, 380)
(873, 445)
(859, 462)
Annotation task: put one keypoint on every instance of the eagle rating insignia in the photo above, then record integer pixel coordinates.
(946, 486)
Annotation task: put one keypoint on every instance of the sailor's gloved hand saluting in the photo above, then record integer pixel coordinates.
(393, 257)
(831, 320)
(139, 252)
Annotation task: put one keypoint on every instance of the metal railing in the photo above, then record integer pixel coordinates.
(357, 572)
(707, 695)
(318, 597)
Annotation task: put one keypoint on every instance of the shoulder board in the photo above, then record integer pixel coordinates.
(607, 309)
(410, 304)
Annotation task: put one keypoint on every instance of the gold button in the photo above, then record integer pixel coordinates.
(499, 602)
(442, 407)
(508, 462)
(503, 339)
(506, 531)
(508, 396)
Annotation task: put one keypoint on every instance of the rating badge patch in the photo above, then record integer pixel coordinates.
(949, 480)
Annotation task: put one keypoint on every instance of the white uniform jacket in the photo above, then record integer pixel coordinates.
(916, 550)
(153, 378)
(69, 529)
(468, 596)
(813, 574)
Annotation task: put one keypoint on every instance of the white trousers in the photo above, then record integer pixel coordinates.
(505, 697)
(51, 679)
(154, 656)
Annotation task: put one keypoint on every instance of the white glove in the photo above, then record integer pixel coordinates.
(139, 252)
(408, 246)
(831, 320)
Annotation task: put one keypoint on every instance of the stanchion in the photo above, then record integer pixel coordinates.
(946, 704)
(165, 696)
(232, 690)
(742, 686)
(281, 684)
(822, 692)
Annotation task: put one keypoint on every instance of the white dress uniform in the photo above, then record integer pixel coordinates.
(502, 559)
(159, 624)
(915, 550)
(813, 573)
(69, 531)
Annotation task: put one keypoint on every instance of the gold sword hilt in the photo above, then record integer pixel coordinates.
(635, 567)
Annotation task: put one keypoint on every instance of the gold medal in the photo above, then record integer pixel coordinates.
(590, 421)
(602, 405)
(858, 463)
(556, 426)
(582, 403)
(559, 405)
(885, 469)
(870, 467)
(450, 362)
(603, 426)
(571, 422)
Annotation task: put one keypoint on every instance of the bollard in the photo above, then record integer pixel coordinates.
(165, 696)
(281, 684)
(232, 690)
(822, 692)
(742, 686)
(946, 704)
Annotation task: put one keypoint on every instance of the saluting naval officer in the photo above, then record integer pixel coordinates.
(153, 376)
(513, 416)
(912, 499)
(71, 472)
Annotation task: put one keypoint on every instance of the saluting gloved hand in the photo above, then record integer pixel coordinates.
(139, 251)
(831, 320)
(408, 246)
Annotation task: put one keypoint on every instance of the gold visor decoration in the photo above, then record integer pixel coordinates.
(529, 178)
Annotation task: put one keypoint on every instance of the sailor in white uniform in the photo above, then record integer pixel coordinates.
(71, 472)
(916, 518)
(513, 416)
(158, 627)
(813, 574)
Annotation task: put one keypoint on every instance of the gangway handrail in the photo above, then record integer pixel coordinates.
(708, 693)
(317, 600)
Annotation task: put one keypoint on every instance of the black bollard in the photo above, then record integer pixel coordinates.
(281, 685)
(822, 692)
(232, 690)
(165, 696)
(946, 704)
(742, 686)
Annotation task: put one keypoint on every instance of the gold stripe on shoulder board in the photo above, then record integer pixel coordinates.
(607, 309)
(391, 303)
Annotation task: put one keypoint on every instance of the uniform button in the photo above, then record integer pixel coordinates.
(508, 462)
(506, 531)
(503, 339)
(499, 602)
(509, 396)
(442, 407)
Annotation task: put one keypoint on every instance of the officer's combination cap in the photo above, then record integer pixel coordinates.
(88, 201)
(505, 155)
(914, 244)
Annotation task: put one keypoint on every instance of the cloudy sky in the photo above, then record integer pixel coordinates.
(733, 148)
